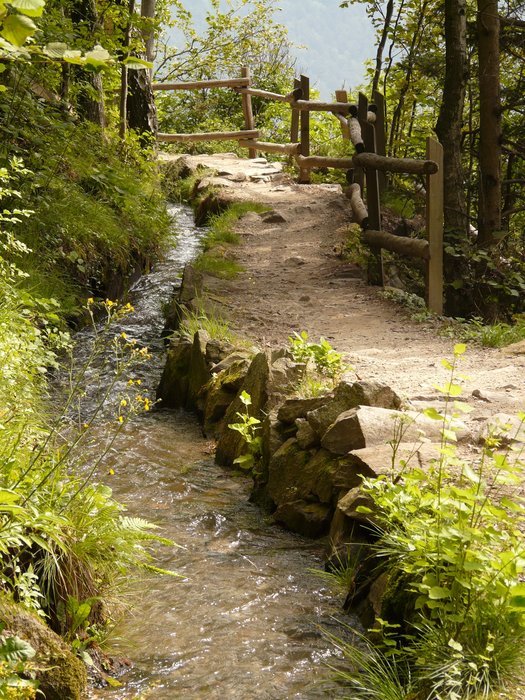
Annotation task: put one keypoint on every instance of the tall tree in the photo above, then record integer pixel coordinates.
(141, 111)
(489, 207)
(90, 102)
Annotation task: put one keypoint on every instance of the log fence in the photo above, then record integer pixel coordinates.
(363, 126)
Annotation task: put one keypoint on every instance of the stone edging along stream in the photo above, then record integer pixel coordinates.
(314, 450)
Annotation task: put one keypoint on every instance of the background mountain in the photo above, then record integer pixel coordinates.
(334, 42)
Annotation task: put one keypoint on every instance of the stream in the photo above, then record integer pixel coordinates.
(246, 618)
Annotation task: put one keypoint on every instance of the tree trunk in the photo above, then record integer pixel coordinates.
(381, 45)
(141, 111)
(84, 13)
(489, 211)
(448, 130)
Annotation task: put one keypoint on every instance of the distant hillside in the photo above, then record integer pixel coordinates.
(337, 42)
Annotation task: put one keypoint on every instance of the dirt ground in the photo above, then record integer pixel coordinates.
(293, 280)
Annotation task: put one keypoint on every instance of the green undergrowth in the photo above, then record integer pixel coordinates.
(449, 537)
(216, 327)
(215, 264)
(221, 227)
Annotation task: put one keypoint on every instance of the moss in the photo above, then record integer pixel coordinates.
(62, 676)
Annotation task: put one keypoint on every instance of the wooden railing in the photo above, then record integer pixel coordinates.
(363, 125)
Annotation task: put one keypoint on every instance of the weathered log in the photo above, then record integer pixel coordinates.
(413, 247)
(211, 136)
(313, 106)
(371, 117)
(358, 206)
(285, 148)
(265, 94)
(249, 122)
(395, 165)
(355, 134)
(344, 125)
(203, 84)
(308, 162)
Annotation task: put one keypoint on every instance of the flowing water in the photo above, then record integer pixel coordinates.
(245, 620)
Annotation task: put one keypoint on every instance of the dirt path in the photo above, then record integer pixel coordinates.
(293, 281)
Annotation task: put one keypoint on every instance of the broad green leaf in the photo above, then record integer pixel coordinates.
(438, 593)
(74, 57)
(433, 414)
(455, 645)
(17, 29)
(31, 8)
(55, 49)
(97, 59)
(137, 63)
(8, 496)
(460, 349)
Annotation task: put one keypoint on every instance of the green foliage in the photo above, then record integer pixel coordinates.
(16, 669)
(221, 226)
(215, 326)
(324, 358)
(311, 386)
(452, 533)
(248, 426)
(217, 265)
(496, 335)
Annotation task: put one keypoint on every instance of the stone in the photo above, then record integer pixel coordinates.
(372, 462)
(366, 426)
(213, 181)
(285, 374)
(61, 674)
(172, 391)
(216, 352)
(216, 402)
(307, 519)
(272, 440)
(306, 437)
(287, 480)
(507, 428)
(294, 408)
(348, 505)
(191, 286)
(199, 373)
(231, 443)
(233, 374)
(273, 217)
(514, 349)
(349, 394)
(295, 260)
(251, 217)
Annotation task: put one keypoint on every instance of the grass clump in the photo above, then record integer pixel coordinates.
(221, 226)
(217, 265)
(495, 335)
(450, 538)
(215, 326)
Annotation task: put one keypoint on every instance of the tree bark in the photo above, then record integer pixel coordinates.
(489, 210)
(381, 45)
(141, 111)
(84, 12)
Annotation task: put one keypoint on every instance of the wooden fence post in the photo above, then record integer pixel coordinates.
(249, 123)
(434, 281)
(304, 174)
(375, 263)
(294, 131)
(380, 129)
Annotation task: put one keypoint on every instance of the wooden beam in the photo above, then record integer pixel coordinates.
(308, 162)
(380, 130)
(435, 207)
(247, 110)
(395, 165)
(313, 106)
(203, 84)
(304, 174)
(294, 129)
(362, 109)
(211, 136)
(414, 247)
(342, 96)
(358, 206)
(284, 148)
(375, 271)
(254, 92)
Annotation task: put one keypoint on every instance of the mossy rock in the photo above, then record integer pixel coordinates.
(173, 388)
(63, 675)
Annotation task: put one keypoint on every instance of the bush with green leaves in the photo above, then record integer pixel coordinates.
(451, 541)
(16, 668)
(326, 361)
(249, 427)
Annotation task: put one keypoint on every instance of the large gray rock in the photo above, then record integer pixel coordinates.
(231, 443)
(349, 394)
(306, 436)
(380, 460)
(292, 409)
(308, 519)
(172, 391)
(285, 374)
(199, 373)
(366, 426)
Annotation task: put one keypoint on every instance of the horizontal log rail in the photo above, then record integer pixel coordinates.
(308, 162)
(264, 146)
(313, 106)
(275, 96)
(210, 136)
(414, 247)
(395, 165)
(204, 84)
